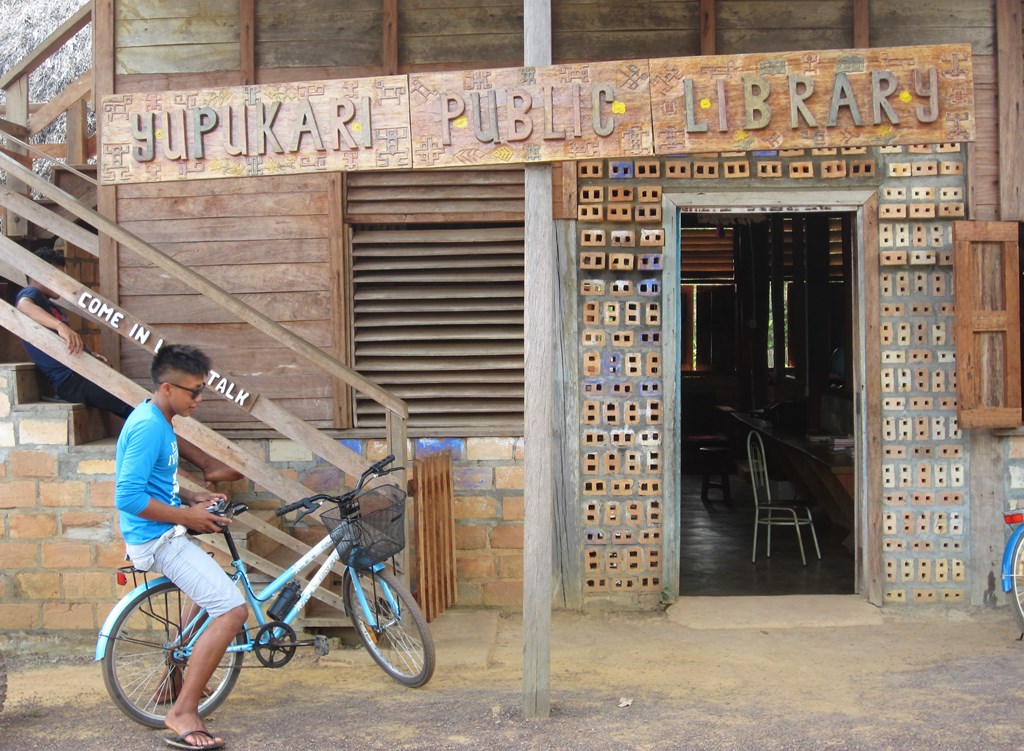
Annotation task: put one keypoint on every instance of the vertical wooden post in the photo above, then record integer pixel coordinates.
(247, 42)
(861, 23)
(103, 54)
(389, 46)
(540, 315)
(77, 133)
(708, 29)
(1010, 73)
(17, 113)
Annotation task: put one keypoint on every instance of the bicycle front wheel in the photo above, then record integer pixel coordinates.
(394, 632)
(1017, 592)
(139, 667)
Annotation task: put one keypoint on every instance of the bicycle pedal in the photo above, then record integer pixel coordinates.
(321, 646)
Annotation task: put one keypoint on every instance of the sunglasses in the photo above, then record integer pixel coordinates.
(194, 392)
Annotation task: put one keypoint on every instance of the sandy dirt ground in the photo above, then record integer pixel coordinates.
(617, 682)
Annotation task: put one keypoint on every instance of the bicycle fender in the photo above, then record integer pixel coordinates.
(108, 624)
(1008, 558)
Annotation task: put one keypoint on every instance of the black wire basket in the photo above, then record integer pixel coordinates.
(373, 534)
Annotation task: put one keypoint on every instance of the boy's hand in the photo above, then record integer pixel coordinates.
(69, 335)
(198, 519)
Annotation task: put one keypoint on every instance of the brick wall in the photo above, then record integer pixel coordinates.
(59, 543)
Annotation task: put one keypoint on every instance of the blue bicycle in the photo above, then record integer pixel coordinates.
(146, 640)
(1013, 564)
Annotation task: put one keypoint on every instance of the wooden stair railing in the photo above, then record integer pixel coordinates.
(14, 256)
(397, 411)
(129, 391)
(435, 534)
(21, 121)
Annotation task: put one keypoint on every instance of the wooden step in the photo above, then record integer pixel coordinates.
(85, 424)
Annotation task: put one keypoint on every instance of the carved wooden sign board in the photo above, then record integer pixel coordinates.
(622, 109)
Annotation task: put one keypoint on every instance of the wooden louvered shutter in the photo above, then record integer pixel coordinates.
(706, 254)
(438, 321)
(437, 294)
(986, 278)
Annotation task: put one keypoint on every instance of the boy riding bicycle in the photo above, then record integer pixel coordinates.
(154, 515)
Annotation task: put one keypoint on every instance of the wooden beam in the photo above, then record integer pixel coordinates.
(17, 113)
(247, 41)
(225, 300)
(540, 318)
(77, 138)
(389, 28)
(708, 17)
(103, 84)
(341, 294)
(870, 576)
(1010, 73)
(567, 538)
(14, 129)
(861, 23)
(132, 393)
(75, 91)
(50, 221)
(48, 46)
(262, 408)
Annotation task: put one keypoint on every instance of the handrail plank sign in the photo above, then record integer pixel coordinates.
(630, 108)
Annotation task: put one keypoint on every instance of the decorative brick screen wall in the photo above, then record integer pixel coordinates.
(921, 191)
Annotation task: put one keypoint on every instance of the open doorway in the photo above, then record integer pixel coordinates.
(769, 335)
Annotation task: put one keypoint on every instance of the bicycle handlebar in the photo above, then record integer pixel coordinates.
(313, 502)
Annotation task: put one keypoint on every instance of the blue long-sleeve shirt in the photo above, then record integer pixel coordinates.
(146, 467)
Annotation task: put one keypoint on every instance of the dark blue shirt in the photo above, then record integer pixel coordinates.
(56, 372)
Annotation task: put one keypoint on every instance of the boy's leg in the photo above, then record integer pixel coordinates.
(214, 470)
(183, 716)
(183, 562)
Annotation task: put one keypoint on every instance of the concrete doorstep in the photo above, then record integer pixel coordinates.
(784, 611)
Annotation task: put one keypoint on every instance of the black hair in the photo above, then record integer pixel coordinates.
(183, 358)
(51, 256)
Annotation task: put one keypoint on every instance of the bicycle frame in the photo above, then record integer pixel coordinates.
(1007, 568)
(256, 600)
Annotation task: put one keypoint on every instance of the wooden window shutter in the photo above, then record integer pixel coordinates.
(986, 278)
(437, 295)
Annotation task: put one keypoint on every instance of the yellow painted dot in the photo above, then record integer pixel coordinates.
(159, 134)
(461, 122)
(741, 135)
(885, 130)
(357, 127)
(619, 108)
(905, 96)
(705, 103)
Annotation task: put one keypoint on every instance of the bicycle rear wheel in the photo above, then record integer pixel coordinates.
(1017, 593)
(139, 669)
(400, 642)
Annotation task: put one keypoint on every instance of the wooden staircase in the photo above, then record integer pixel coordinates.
(64, 209)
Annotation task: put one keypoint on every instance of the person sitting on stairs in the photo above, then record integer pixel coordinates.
(35, 301)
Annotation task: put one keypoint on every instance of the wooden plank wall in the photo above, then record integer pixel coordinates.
(617, 30)
(786, 25)
(314, 34)
(181, 36)
(265, 240)
(895, 23)
(455, 34)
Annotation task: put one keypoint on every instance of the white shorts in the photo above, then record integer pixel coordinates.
(194, 572)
